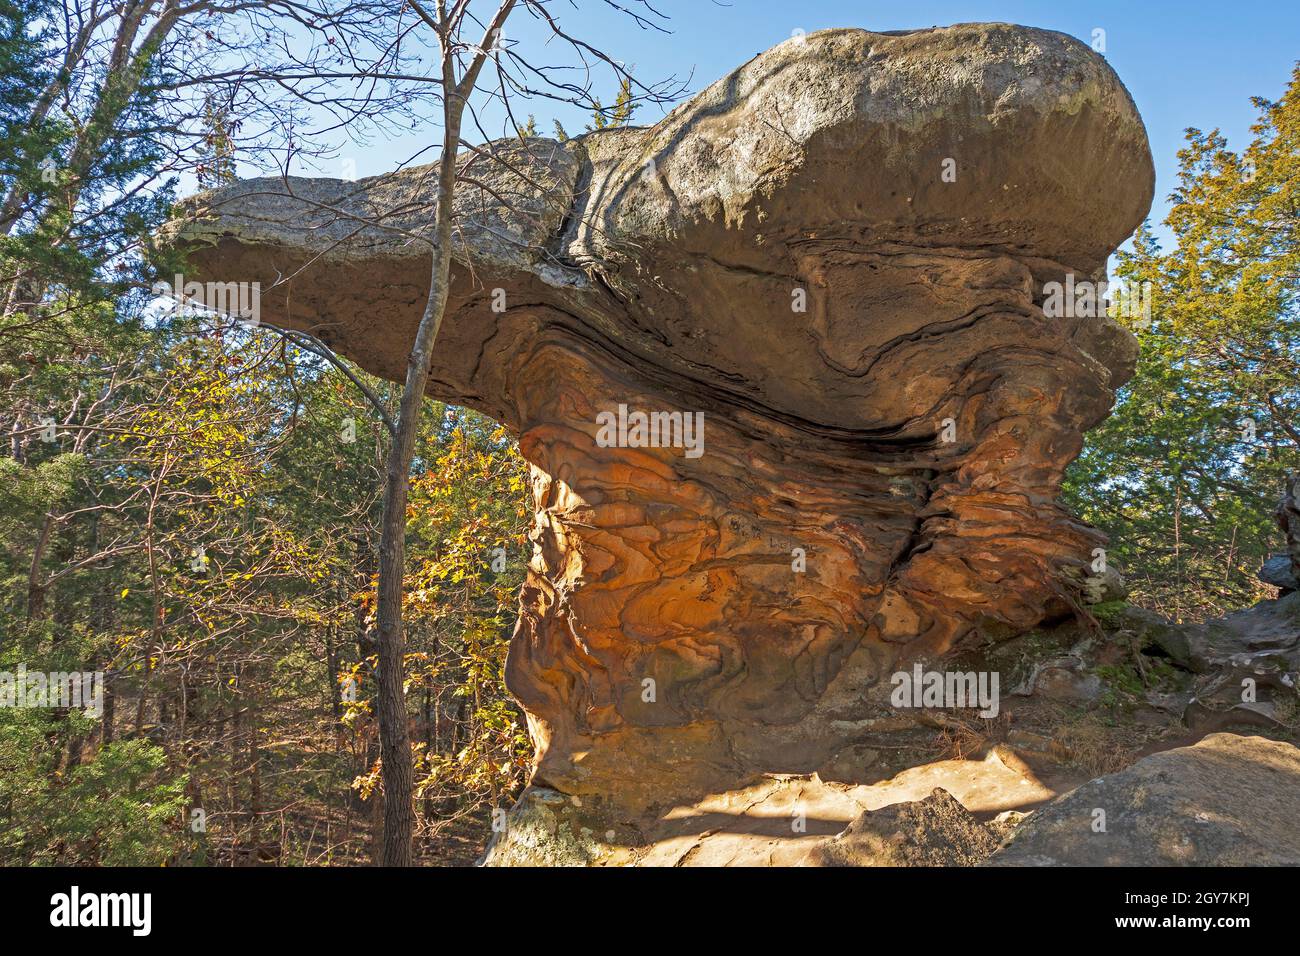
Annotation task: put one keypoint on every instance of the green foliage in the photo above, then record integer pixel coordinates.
(216, 165)
(25, 33)
(469, 518)
(235, 669)
(620, 114)
(602, 117)
(121, 808)
(194, 522)
(1184, 476)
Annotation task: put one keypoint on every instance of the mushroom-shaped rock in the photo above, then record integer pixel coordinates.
(780, 364)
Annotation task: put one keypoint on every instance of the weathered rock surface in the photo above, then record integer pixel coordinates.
(1277, 571)
(1283, 570)
(936, 831)
(548, 828)
(778, 820)
(1265, 636)
(1227, 801)
(879, 469)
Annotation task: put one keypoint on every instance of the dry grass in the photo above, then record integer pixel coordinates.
(1094, 747)
(964, 735)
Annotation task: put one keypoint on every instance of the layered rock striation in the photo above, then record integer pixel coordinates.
(826, 273)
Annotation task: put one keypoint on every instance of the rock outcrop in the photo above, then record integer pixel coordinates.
(1283, 570)
(949, 812)
(825, 275)
(1228, 801)
(936, 831)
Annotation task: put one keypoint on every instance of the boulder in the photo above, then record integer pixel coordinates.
(936, 831)
(1061, 678)
(1283, 570)
(1265, 636)
(548, 828)
(781, 366)
(1227, 801)
(1278, 571)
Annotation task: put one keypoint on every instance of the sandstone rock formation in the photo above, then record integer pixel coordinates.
(1228, 801)
(837, 254)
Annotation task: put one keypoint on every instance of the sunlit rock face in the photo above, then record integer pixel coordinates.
(836, 255)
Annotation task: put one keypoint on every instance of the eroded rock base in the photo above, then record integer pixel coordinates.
(1128, 719)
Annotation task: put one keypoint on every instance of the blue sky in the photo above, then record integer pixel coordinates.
(1186, 63)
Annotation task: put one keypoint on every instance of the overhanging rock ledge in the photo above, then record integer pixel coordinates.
(690, 622)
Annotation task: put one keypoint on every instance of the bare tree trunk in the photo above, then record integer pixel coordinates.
(35, 581)
(110, 714)
(394, 734)
(377, 828)
(332, 676)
